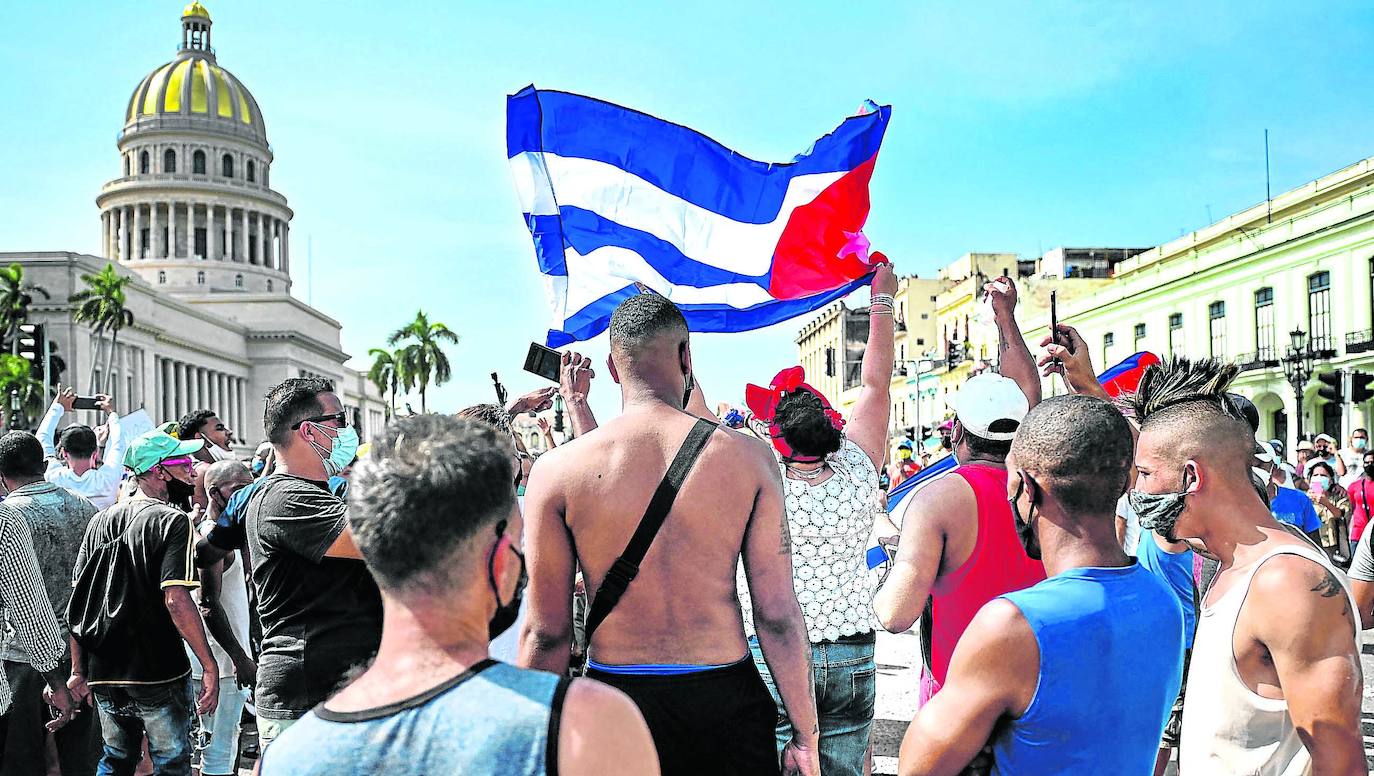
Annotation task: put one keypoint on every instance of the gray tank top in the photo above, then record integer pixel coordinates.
(494, 719)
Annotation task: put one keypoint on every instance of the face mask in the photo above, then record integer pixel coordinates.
(1024, 532)
(218, 453)
(1359, 444)
(1159, 512)
(507, 612)
(179, 493)
(340, 454)
(1369, 471)
(687, 392)
(258, 466)
(1321, 481)
(338, 486)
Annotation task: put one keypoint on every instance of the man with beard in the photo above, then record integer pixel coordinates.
(1275, 682)
(131, 608)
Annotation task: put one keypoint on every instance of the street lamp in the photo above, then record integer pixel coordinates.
(558, 413)
(1297, 365)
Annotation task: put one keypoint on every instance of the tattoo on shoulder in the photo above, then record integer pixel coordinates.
(1329, 587)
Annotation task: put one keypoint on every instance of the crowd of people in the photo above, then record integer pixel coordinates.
(1101, 584)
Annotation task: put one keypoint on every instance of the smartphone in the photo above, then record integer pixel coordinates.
(86, 403)
(1054, 316)
(543, 361)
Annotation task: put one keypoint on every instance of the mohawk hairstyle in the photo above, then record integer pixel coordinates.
(1185, 381)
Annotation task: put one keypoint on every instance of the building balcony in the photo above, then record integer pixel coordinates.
(1250, 362)
(1359, 341)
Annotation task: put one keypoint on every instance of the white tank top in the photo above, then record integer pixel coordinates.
(1227, 728)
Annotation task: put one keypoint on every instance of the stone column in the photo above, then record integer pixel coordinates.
(269, 241)
(178, 389)
(243, 236)
(286, 247)
(168, 396)
(105, 219)
(154, 233)
(132, 239)
(212, 234)
(256, 248)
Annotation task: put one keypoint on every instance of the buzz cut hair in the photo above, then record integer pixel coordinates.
(1080, 449)
(643, 318)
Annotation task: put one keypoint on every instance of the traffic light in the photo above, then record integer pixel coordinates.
(1360, 390)
(1330, 389)
(32, 347)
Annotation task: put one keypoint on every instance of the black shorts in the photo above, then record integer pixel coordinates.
(710, 722)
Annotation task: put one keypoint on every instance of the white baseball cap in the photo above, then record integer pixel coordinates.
(985, 399)
(1326, 438)
(1266, 452)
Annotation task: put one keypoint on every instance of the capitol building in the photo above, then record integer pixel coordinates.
(192, 216)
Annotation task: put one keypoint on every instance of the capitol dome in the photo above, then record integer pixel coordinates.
(192, 88)
(193, 210)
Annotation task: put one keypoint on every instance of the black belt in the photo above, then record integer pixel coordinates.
(867, 637)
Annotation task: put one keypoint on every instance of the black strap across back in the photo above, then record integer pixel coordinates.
(626, 567)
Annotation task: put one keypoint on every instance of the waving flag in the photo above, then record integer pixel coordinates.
(616, 199)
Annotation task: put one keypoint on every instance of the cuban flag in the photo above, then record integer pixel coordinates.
(618, 201)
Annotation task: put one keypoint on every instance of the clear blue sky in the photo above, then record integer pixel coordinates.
(1017, 127)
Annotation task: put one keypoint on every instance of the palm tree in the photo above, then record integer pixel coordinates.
(101, 305)
(386, 375)
(422, 355)
(15, 298)
(17, 380)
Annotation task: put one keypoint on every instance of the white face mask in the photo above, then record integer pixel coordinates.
(219, 453)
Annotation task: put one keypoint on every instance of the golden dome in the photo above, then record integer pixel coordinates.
(193, 85)
(195, 9)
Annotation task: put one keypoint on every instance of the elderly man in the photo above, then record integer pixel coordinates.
(131, 609)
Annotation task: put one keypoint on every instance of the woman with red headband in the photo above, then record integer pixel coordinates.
(830, 483)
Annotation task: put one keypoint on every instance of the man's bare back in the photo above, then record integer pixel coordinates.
(600, 484)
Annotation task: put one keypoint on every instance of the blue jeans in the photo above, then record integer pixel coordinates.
(221, 727)
(163, 711)
(846, 690)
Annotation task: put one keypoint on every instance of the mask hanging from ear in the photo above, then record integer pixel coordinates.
(687, 392)
(179, 493)
(1159, 512)
(1029, 541)
(506, 613)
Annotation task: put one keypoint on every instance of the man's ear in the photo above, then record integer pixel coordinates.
(610, 367)
(684, 354)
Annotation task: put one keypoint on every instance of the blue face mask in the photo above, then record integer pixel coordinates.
(258, 466)
(340, 454)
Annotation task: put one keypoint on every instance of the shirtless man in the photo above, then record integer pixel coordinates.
(1275, 685)
(675, 643)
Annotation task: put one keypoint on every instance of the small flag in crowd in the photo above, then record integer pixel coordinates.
(618, 200)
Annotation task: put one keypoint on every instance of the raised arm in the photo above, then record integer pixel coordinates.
(992, 673)
(778, 620)
(47, 429)
(867, 425)
(546, 638)
(902, 597)
(1013, 357)
(574, 384)
(1301, 615)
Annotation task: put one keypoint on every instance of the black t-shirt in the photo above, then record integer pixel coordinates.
(321, 617)
(132, 552)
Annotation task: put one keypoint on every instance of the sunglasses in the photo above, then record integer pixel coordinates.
(187, 461)
(339, 417)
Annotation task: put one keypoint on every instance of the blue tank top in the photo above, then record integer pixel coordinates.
(492, 719)
(1111, 661)
(1176, 569)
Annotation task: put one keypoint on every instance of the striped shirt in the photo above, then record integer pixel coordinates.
(26, 605)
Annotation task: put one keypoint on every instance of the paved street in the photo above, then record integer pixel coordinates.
(898, 680)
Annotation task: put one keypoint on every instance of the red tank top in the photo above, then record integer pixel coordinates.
(997, 565)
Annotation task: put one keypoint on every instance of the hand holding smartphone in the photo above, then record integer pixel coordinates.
(543, 361)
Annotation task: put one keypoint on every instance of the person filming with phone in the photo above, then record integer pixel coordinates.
(72, 460)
